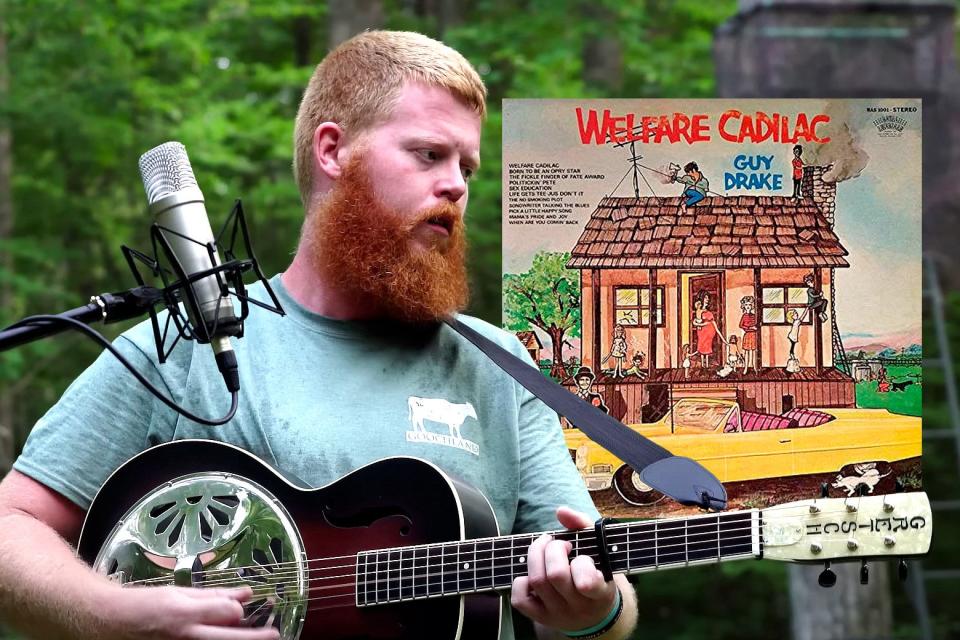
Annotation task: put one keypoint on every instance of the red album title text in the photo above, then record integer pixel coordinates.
(733, 126)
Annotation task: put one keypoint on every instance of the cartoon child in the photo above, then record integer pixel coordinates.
(637, 368)
(883, 382)
(618, 350)
(697, 185)
(748, 323)
(584, 378)
(795, 318)
(797, 163)
(816, 303)
(734, 358)
(685, 350)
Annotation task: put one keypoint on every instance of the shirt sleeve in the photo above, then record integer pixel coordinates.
(103, 418)
(548, 475)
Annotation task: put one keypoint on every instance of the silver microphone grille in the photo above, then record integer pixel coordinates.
(166, 169)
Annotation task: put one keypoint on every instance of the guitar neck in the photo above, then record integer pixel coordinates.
(487, 564)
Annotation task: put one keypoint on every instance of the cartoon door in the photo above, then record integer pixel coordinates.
(711, 286)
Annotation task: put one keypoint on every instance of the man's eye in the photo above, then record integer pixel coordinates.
(428, 154)
(467, 172)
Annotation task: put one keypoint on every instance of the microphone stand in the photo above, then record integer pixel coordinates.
(143, 299)
(106, 307)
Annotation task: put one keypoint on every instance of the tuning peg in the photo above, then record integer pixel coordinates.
(827, 577)
(902, 570)
(824, 490)
(864, 572)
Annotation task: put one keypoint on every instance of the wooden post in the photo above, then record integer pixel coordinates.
(597, 335)
(757, 292)
(652, 332)
(817, 325)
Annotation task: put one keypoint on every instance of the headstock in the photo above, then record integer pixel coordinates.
(854, 528)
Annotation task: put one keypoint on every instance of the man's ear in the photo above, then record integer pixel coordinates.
(329, 144)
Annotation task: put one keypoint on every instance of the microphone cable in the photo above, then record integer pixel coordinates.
(40, 320)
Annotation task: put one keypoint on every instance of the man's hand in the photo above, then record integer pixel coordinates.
(559, 593)
(181, 613)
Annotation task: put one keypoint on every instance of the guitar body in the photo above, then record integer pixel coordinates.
(201, 508)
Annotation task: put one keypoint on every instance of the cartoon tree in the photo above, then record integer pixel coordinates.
(547, 297)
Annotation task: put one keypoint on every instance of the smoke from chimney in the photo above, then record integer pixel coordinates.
(843, 151)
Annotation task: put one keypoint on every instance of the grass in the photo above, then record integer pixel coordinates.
(906, 402)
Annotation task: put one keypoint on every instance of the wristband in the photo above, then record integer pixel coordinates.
(601, 627)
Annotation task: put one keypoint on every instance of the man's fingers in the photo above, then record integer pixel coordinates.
(571, 519)
(587, 579)
(537, 574)
(557, 563)
(525, 601)
(240, 594)
(221, 611)
(205, 632)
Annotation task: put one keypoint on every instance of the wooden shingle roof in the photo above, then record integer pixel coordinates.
(717, 232)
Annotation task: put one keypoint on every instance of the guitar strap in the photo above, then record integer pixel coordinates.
(683, 479)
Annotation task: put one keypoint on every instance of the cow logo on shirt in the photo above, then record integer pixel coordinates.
(440, 412)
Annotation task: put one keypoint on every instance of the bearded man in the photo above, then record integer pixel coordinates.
(386, 139)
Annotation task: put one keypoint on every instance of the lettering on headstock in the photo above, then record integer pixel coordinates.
(875, 525)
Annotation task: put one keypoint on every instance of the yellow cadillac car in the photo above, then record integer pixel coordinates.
(738, 445)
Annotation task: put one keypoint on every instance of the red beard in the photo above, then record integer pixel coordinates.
(359, 245)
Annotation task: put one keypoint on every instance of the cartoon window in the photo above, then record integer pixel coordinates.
(632, 306)
(779, 300)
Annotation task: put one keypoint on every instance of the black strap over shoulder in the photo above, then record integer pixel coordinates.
(683, 479)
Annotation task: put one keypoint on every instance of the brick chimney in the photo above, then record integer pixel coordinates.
(824, 193)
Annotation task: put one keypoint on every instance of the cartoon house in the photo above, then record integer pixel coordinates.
(654, 270)
(531, 343)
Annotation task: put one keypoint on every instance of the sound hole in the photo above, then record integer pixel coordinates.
(163, 524)
(175, 532)
(228, 501)
(205, 531)
(219, 516)
(160, 508)
(276, 547)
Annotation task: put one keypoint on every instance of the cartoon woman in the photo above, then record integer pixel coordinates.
(748, 323)
(707, 328)
(618, 350)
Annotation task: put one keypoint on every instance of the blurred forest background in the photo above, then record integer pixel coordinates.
(88, 86)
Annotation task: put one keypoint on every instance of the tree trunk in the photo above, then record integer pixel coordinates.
(302, 39)
(848, 610)
(447, 13)
(557, 370)
(602, 53)
(347, 18)
(7, 406)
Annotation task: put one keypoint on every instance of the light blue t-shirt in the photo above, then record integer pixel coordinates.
(320, 398)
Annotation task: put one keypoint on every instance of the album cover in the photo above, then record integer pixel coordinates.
(738, 280)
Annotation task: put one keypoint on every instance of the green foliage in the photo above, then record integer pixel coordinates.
(546, 296)
(907, 402)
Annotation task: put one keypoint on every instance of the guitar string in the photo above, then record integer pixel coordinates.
(443, 583)
(613, 534)
(514, 554)
(697, 522)
(667, 526)
(443, 571)
(349, 599)
(452, 559)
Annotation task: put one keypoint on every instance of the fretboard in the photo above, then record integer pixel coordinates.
(470, 566)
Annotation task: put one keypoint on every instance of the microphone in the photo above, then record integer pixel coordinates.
(177, 206)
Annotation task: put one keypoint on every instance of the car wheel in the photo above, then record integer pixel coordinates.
(633, 490)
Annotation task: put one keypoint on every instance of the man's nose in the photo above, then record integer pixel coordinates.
(451, 185)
